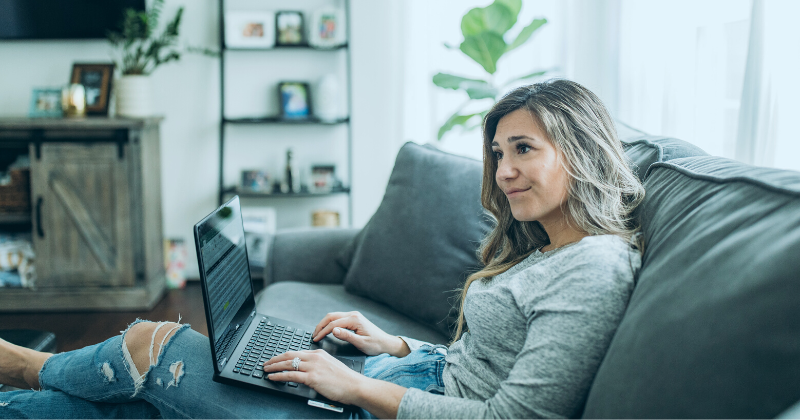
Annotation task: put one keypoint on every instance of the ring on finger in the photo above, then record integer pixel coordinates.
(296, 363)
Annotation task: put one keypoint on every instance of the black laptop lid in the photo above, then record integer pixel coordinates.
(224, 271)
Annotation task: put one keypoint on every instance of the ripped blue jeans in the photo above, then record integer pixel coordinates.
(97, 382)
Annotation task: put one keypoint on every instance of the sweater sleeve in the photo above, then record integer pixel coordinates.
(570, 323)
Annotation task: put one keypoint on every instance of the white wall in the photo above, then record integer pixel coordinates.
(187, 94)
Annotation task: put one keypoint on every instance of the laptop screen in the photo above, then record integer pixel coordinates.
(224, 262)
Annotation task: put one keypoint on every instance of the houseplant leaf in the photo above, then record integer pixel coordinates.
(526, 33)
(485, 48)
(496, 17)
(449, 81)
(482, 91)
(454, 120)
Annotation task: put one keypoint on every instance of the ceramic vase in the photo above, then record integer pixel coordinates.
(134, 96)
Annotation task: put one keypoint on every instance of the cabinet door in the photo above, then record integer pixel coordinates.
(82, 219)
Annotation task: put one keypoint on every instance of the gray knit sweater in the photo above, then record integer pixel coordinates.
(537, 335)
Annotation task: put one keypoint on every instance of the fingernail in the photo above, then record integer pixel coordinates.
(337, 330)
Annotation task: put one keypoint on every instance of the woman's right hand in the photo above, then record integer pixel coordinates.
(362, 333)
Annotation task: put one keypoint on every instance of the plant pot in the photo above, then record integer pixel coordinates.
(134, 96)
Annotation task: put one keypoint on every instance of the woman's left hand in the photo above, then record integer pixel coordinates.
(320, 371)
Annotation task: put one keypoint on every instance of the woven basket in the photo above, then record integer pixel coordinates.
(16, 197)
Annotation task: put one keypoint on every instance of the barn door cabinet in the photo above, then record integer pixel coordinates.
(96, 213)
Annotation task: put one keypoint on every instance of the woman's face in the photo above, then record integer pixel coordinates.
(528, 170)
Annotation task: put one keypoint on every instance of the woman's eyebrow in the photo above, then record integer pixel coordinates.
(512, 139)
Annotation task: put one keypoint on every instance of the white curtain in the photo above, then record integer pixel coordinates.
(721, 74)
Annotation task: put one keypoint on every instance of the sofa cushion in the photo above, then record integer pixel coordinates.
(280, 300)
(418, 248)
(712, 329)
(645, 150)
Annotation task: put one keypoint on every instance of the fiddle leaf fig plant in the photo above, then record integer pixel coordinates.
(486, 41)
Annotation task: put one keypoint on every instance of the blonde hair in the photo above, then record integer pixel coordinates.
(603, 191)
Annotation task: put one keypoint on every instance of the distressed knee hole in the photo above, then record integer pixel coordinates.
(176, 369)
(144, 342)
(108, 371)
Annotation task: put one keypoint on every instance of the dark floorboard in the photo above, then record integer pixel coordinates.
(74, 330)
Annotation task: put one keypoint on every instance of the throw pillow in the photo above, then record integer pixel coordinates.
(420, 245)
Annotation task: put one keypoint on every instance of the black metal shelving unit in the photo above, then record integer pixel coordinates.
(277, 120)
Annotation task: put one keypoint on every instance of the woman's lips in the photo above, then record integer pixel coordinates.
(514, 192)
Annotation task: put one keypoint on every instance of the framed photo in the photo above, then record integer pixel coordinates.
(322, 178)
(294, 100)
(255, 180)
(250, 29)
(327, 28)
(46, 102)
(96, 80)
(289, 28)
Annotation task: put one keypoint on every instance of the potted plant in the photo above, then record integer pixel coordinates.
(484, 30)
(139, 51)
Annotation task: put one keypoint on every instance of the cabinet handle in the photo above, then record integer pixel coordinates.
(39, 229)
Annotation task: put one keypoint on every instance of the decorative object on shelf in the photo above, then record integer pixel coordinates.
(16, 260)
(250, 29)
(259, 223)
(256, 180)
(294, 101)
(484, 30)
(175, 262)
(73, 100)
(290, 178)
(325, 218)
(97, 80)
(327, 28)
(46, 102)
(327, 98)
(322, 178)
(289, 28)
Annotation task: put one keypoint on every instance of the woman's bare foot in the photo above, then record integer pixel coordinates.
(20, 366)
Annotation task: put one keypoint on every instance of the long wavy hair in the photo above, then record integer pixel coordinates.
(603, 190)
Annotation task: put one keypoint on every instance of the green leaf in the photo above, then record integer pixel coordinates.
(482, 91)
(526, 33)
(449, 81)
(497, 17)
(454, 120)
(485, 48)
(513, 6)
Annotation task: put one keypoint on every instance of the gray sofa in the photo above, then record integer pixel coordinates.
(712, 329)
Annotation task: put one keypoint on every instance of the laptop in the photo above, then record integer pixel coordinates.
(241, 338)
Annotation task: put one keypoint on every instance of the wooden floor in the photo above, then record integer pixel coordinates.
(74, 330)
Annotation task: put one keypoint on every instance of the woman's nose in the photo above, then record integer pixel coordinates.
(505, 170)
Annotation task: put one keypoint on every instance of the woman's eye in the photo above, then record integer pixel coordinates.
(497, 155)
(523, 148)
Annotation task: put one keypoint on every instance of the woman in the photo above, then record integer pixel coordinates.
(534, 325)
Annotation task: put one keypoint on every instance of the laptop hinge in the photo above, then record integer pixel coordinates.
(253, 313)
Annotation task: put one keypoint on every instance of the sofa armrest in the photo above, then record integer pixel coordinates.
(307, 255)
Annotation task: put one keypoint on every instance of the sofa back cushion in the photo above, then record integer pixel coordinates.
(420, 245)
(713, 327)
(645, 150)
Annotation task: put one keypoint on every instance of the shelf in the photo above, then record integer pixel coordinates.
(246, 193)
(14, 218)
(289, 47)
(281, 120)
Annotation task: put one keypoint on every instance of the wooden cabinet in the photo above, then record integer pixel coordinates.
(96, 213)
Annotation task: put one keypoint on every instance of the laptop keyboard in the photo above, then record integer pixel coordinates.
(269, 340)
(225, 343)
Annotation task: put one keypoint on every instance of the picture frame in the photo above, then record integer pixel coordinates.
(97, 80)
(294, 99)
(46, 103)
(327, 28)
(256, 180)
(323, 177)
(290, 29)
(250, 29)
